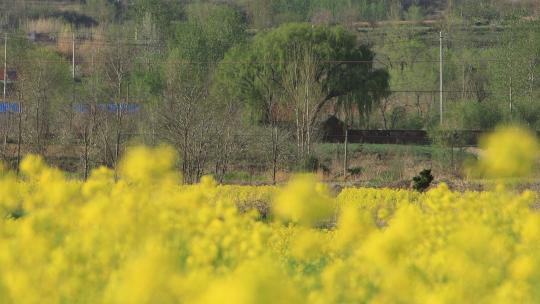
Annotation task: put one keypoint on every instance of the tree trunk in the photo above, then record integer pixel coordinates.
(19, 138)
(345, 154)
(383, 107)
(38, 132)
(511, 97)
(117, 143)
(86, 144)
(274, 153)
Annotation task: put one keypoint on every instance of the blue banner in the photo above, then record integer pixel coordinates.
(10, 107)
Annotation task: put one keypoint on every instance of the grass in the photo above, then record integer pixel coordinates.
(392, 165)
(239, 176)
(326, 150)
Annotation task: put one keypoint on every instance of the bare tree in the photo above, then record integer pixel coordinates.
(302, 93)
(185, 115)
(43, 80)
(117, 59)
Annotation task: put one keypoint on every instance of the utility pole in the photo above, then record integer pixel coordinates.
(5, 65)
(19, 135)
(73, 78)
(345, 154)
(274, 153)
(4, 94)
(73, 56)
(511, 97)
(441, 76)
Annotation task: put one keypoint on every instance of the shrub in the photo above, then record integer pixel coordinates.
(422, 181)
(400, 119)
(309, 163)
(479, 115)
(355, 171)
(448, 138)
(529, 113)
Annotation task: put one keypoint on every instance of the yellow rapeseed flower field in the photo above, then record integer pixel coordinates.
(146, 239)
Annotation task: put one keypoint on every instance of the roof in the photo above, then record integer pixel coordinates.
(11, 75)
(332, 120)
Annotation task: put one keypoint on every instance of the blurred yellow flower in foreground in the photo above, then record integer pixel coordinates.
(144, 238)
(508, 152)
(304, 201)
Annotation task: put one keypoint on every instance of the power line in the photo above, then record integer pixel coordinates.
(187, 62)
(138, 99)
(55, 36)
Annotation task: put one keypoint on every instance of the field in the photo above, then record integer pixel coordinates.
(142, 238)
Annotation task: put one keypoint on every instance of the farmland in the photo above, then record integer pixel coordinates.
(143, 238)
(269, 151)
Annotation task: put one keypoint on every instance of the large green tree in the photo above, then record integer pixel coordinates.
(299, 68)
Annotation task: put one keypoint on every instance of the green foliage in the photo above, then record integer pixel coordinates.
(414, 12)
(236, 176)
(161, 13)
(208, 33)
(401, 119)
(447, 137)
(46, 73)
(309, 163)
(147, 80)
(200, 42)
(355, 171)
(276, 12)
(528, 111)
(482, 12)
(479, 115)
(422, 181)
(256, 72)
(104, 10)
(513, 78)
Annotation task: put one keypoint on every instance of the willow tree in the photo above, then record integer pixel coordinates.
(295, 71)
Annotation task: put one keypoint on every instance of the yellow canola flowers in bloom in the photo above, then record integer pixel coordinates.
(145, 238)
(508, 152)
(304, 201)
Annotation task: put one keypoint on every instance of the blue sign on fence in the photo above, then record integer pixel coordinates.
(108, 107)
(10, 107)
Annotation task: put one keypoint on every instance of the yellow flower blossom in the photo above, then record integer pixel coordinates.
(144, 238)
(508, 152)
(304, 201)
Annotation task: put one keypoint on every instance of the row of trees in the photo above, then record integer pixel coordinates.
(266, 13)
(489, 77)
(217, 95)
(262, 14)
(225, 97)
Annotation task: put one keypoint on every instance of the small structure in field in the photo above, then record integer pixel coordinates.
(333, 129)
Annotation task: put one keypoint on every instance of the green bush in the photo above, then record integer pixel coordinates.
(309, 163)
(479, 115)
(355, 171)
(422, 181)
(400, 119)
(529, 113)
(447, 138)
